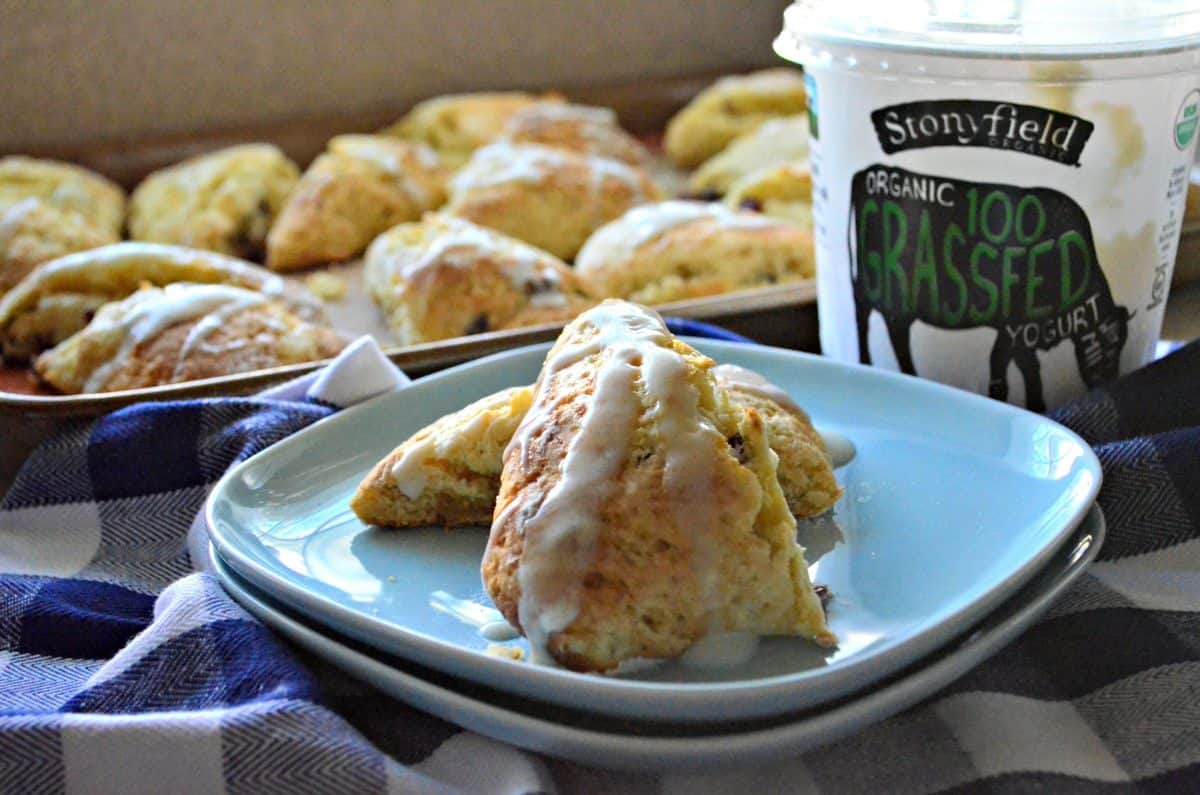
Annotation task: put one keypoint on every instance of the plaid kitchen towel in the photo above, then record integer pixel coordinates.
(123, 671)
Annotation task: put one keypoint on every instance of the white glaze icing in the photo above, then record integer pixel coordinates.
(502, 162)
(752, 382)
(409, 470)
(620, 238)
(560, 538)
(385, 155)
(564, 111)
(147, 314)
(459, 243)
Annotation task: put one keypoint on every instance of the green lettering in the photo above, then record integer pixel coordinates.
(869, 262)
(981, 317)
(1033, 280)
(985, 213)
(1028, 203)
(925, 270)
(954, 236)
(1008, 278)
(1066, 242)
(894, 238)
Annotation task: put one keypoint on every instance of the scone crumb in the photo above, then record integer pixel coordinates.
(326, 286)
(391, 578)
(505, 652)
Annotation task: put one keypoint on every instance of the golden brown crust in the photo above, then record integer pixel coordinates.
(223, 201)
(362, 186)
(445, 277)
(576, 128)
(699, 257)
(772, 143)
(550, 198)
(65, 187)
(667, 560)
(455, 125)
(33, 231)
(256, 333)
(730, 107)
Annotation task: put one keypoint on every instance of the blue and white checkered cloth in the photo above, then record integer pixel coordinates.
(122, 670)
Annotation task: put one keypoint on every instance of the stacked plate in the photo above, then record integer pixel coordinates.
(963, 518)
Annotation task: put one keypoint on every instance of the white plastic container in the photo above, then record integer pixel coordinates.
(998, 186)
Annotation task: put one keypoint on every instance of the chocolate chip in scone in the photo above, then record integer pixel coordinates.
(539, 286)
(738, 444)
(753, 205)
(706, 195)
(478, 325)
(824, 594)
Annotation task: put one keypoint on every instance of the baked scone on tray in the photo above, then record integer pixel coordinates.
(774, 142)
(578, 128)
(182, 332)
(550, 198)
(639, 508)
(446, 277)
(730, 107)
(455, 125)
(783, 191)
(674, 250)
(223, 201)
(361, 186)
(448, 473)
(59, 297)
(49, 209)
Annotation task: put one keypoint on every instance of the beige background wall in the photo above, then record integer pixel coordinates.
(74, 71)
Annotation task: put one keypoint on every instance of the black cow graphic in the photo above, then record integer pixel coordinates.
(960, 255)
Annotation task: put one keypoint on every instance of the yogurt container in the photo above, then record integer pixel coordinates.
(998, 187)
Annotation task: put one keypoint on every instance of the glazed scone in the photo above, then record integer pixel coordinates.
(783, 191)
(361, 186)
(639, 508)
(677, 249)
(775, 142)
(455, 125)
(65, 187)
(550, 198)
(33, 231)
(437, 476)
(59, 297)
(730, 107)
(223, 201)
(445, 277)
(447, 473)
(578, 128)
(182, 332)
(805, 469)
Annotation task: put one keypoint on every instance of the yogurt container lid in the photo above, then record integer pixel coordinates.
(1008, 29)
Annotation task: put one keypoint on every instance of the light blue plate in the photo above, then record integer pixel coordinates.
(952, 503)
(583, 737)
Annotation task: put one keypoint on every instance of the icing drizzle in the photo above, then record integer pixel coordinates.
(147, 313)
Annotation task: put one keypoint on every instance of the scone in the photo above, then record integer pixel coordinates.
(33, 232)
(49, 209)
(783, 191)
(224, 201)
(676, 250)
(445, 277)
(775, 142)
(363, 185)
(447, 473)
(639, 508)
(550, 198)
(59, 297)
(805, 470)
(437, 476)
(578, 128)
(65, 187)
(455, 125)
(730, 107)
(182, 332)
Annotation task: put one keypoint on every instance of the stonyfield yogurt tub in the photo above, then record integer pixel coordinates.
(997, 199)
